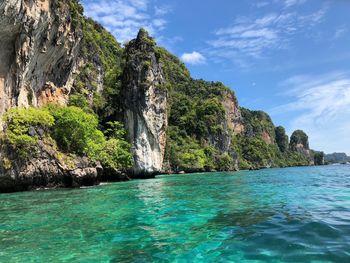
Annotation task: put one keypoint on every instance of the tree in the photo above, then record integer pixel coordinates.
(281, 138)
(299, 137)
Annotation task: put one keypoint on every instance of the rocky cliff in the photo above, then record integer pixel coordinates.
(51, 53)
(337, 158)
(145, 105)
(45, 168)
(38, 52)
(299, 142)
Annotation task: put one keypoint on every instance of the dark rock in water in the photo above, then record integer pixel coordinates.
(112, 175)
(45, 168)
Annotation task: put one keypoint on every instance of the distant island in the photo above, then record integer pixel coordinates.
(78, 108)
(337, 158)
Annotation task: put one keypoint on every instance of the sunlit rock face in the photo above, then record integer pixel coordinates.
(145, 105)
(38, 52)
(299, 141)
(231, 123)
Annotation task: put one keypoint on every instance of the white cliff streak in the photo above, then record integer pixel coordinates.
(146, 106)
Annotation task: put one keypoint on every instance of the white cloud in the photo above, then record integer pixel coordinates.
(261, 4)
(341, 31)
(162, 10)
(254, 37)
(289, 3)
(194, 58)
(322, 104)
(169, 42)
(159, 23)
(124, 18)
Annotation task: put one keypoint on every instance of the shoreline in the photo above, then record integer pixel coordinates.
(154, 176)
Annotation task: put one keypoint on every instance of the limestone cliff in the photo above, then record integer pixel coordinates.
(45, 167)
(38, 52)
(233, 112)
(51, 53)
(299, 142)
(145, 103)
(231, 123)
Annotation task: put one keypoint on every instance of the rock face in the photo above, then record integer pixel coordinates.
(38, 52)
(145, 105)
(233, 113)
(299, 141)
(231, 123)
(45, 168)
(319, 158)
(282, 139)
(258, 124)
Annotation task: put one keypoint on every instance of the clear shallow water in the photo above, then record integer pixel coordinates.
(276, 215)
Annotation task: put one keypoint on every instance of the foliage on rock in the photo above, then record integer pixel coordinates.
(23, 127)
(73, 130)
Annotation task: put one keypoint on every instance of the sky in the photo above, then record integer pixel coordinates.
(289, 58)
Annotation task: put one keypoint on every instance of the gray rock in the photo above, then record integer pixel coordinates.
(29, 76)
(45, 168)
(145, 105)
(31, 131)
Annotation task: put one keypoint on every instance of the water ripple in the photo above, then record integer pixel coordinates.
(277, 215)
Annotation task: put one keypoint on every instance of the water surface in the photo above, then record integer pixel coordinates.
(274, 215)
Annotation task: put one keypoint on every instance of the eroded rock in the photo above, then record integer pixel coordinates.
(38, 51)
(145, 105)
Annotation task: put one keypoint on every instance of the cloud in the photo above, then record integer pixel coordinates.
(261, 4)
(322, 105)
(194, 58)
(340, 32)
(289, 3)
(162, 10)
(169, 42)
(124, 18)
(251, 38)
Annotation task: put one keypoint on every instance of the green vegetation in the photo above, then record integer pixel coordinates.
(319, 158)
(198, 136)
(258, 123)
(197, 120)
(100, 75)
(84, 138)
(281, 138)
(73, 130)
(299, 137)
(76, 10)
(23, 127)
(264, 145)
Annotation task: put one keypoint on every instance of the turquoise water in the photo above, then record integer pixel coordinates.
(276, 215)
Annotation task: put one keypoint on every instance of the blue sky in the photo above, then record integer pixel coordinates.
(290, 58)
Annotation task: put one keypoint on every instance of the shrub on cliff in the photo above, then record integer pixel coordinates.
(184, 152)
(76, 131)
(74, 128)
(114, 151)
(281, 138)
(299, 137)
(22, 127)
